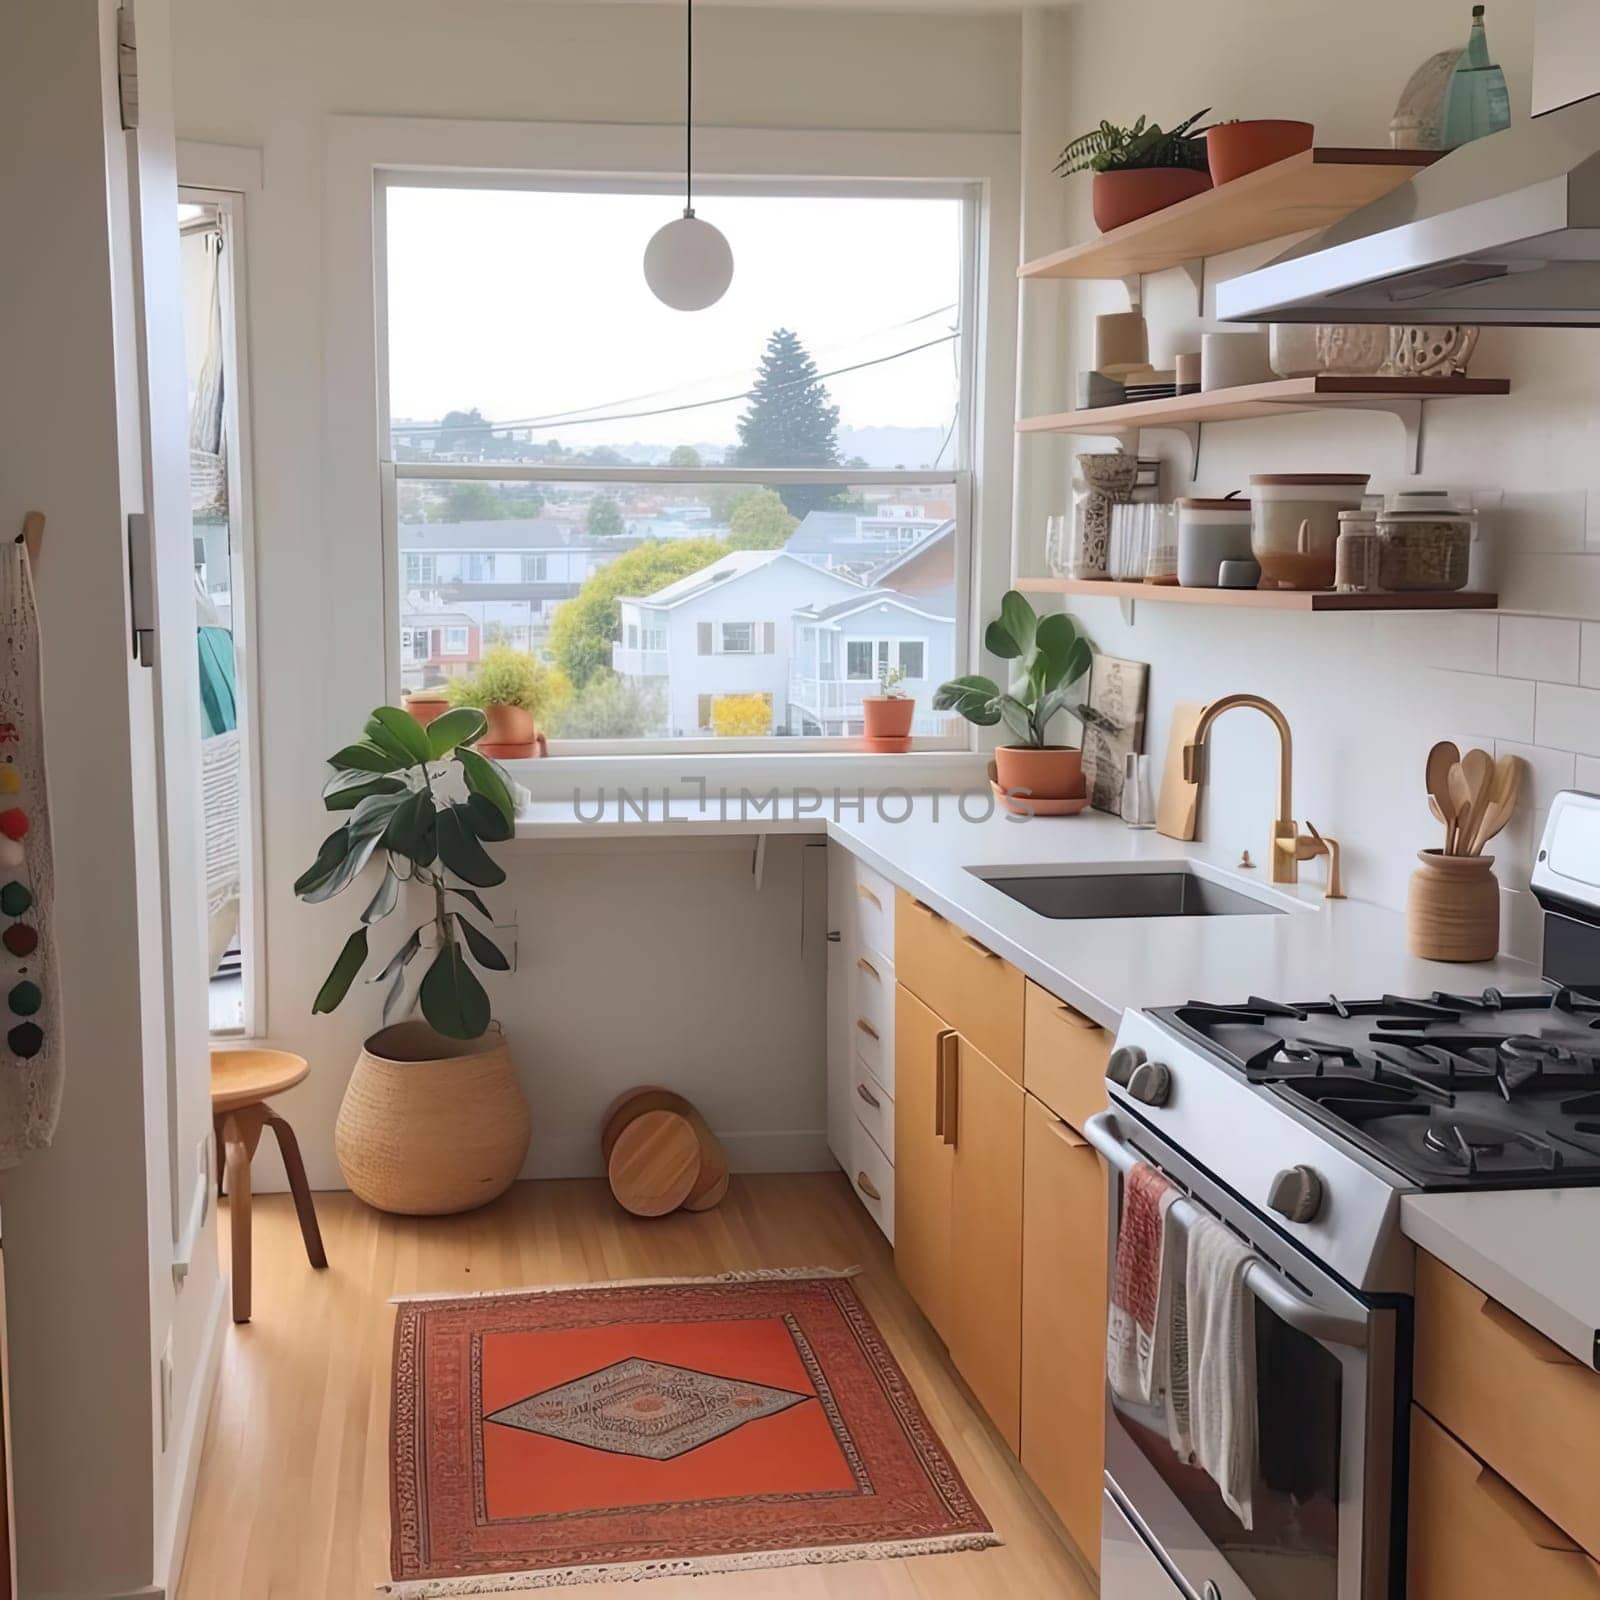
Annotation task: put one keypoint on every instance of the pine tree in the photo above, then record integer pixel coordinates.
(790, 421)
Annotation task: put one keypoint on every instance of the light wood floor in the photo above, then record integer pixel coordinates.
(292, 1501)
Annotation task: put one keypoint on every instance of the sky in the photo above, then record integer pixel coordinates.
(528, 303)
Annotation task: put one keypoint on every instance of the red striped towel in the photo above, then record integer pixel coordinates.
(1138, 1339)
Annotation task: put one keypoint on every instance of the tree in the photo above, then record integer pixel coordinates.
(610, 707)
(605, 520)
(790, 421)
(585, 627)
(684, 455)
(760, 521)
(741, 716)
(463, 433)
(466, 501)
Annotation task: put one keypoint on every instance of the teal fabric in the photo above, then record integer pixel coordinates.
(217, 705)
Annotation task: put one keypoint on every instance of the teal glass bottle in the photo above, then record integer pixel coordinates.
(1475, 102)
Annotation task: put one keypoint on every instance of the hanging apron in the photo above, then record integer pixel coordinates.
(30, 1026)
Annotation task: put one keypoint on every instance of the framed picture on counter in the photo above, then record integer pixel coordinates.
(1117, 690)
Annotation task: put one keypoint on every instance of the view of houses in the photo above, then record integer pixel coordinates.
(782, 640)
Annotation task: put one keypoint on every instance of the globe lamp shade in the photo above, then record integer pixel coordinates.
(688, 264)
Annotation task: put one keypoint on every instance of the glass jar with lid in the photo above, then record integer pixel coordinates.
(1424, 541)
(1357, 555)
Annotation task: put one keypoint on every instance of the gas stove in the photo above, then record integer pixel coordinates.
(1450, 1090)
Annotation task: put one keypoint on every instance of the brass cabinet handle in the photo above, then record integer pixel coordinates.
(1531, 1340)
(982, 949)
(867, 1095)
(867, 894)
(866, 1027)
(926, 910)
(949, 1083)
(1068, 1135)
(865, 1185)
(946, 1036)
(1074, 1017)
(867, 966)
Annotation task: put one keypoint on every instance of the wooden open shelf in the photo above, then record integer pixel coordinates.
(1265, 599)
(1309, 190)
(1281, 397)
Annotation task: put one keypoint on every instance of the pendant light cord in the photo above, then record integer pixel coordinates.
(688, 109)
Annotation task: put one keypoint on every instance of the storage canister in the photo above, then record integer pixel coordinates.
(1209, 533)
(1356, 557)
(1295, 516)
(1423, 546)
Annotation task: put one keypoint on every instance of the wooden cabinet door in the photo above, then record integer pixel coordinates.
(923, 1159)
(1064, 1322)
(985, 1307)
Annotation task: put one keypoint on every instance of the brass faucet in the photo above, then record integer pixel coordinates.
(1285, 853)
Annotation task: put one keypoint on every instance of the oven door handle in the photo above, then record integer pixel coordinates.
(1263, 1281)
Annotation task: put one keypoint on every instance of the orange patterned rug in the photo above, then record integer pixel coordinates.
(638, 1430)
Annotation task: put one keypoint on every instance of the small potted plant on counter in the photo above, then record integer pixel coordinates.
(433, 1119)
(1051, 657)
(514, 691)
(886, 715)
(1140, 169)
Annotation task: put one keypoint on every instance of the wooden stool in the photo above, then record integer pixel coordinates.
(242, 1081)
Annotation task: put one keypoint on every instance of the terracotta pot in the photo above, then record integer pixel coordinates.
(1053, 773)
(1453, 908)
(1235, 148)
(426, 704)
(1120, 197)
(431, 1125)
(887, 716)
(512, 734)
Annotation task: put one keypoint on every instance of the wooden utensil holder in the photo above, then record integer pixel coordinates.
(1453, 908)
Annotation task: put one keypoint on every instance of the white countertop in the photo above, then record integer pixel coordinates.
(1535, 1251)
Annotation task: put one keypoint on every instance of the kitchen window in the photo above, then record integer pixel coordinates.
(555, 400)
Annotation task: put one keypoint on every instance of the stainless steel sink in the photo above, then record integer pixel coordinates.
(1174, 891)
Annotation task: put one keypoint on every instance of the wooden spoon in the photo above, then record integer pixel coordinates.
(1504, 792)
(1441, 758)
(1477, 767)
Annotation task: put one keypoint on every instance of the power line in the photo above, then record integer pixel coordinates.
(560, 419)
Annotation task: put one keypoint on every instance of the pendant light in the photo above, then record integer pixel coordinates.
(688, 264)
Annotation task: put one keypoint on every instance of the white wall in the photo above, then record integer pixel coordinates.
(269, 76)
(1366, 695)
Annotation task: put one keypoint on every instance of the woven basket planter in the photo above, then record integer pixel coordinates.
(431, 1125)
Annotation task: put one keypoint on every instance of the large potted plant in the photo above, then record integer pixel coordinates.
(514, 691)
(1140, 169)
(887, 715)
(433, 1120)
(1051, 657)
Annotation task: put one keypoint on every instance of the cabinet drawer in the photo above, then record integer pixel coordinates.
(972, 988)
(1516, 1400)
(873, 911)
(872, 1015)
(873, 1180)
(1471, 1533)
(874, 1109)
(1063, 1057)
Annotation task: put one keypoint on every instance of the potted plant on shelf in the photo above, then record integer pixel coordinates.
(1140, 169)
(433, 1119)
(1235, 148)
(513, 690)
(886, 716)
(426, 704)
(1051, 656)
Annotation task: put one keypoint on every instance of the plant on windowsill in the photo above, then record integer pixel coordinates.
(886, 716)
(1140, 169)
(433, 1119)
(514, 691)
(1052, 657)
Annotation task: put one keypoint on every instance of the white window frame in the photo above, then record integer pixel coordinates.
(364, 156)
(225, 177)
(726, 649)
(449, 634)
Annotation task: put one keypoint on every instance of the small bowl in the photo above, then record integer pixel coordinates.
(1238, 575)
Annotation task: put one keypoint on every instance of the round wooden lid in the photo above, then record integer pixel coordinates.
(654, 1163)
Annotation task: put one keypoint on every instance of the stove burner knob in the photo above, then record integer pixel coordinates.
(1151, 1083)
(1122, 1061)
(1296, 1193)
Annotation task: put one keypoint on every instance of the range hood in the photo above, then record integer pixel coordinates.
(1503, 230)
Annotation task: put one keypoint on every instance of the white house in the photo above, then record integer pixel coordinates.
(856, 542)
(725, 630)
(841, 649)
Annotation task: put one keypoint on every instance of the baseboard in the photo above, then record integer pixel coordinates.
(149, 1591)
(778, 1151)
(190, 1442)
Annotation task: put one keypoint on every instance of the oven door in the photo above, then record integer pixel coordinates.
(1327, 1432)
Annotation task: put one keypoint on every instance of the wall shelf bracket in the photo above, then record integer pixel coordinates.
(1129, 609)
(1194, 269)
(1409, 415)
(1134, 284)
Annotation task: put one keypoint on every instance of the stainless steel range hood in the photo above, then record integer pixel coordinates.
(1504, 230)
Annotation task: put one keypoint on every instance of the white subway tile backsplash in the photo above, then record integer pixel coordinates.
(1568, 718)
(1557, 585)
(1548, 771)
(1544, 519)
(1539, 647)
(1495, 708)
(1463, 641)
(1592, 519)
(1587, 777)
(1589, 656)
